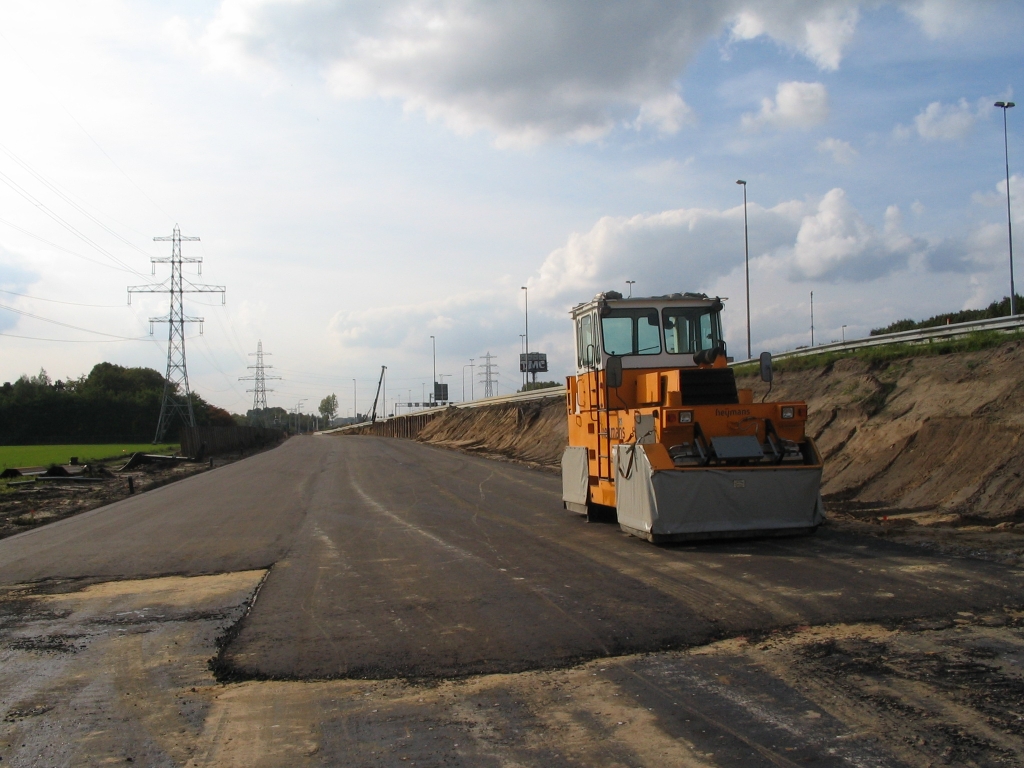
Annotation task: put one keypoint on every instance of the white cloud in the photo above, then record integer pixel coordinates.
(825, 241)
(979, 251)
(527, 71)
(694, 245)
(945, 18)
(820, 31)
(997, 198)
(667, 114)
(945, 121)
(796, 105)
(840, 150)
(834, 242)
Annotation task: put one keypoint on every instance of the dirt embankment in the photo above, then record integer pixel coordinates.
(928, 437)
(532, 432)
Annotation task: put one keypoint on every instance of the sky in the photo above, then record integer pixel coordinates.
(365, 175)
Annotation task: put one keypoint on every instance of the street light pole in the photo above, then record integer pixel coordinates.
(746, 262)
(433, 348)
(522, 349)
(355, 407)
(630, 284)
(812, 318)
(1005, 105)
(526, 300)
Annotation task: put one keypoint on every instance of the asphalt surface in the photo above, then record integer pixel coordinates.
(392, 559)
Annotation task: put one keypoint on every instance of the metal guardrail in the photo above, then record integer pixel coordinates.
(914, 336)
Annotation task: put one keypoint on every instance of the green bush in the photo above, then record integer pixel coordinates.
(882, 354)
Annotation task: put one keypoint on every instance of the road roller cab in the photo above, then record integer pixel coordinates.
(660, 435)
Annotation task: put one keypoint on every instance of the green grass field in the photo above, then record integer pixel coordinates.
(45, 455)
(880, 355)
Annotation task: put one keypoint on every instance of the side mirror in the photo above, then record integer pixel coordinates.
(591, 353)
(766, 367)
(613, 371)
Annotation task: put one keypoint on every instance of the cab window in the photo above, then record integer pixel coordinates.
(631, 332)
(688, 330)
(586, 348)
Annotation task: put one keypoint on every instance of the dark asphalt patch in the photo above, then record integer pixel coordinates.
(414, 562)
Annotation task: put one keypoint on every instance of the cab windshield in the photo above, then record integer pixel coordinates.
(688, 330)
(631, 332)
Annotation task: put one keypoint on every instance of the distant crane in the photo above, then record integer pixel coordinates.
(380, 383)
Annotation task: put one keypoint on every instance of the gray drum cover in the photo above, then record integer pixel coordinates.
(575, 474)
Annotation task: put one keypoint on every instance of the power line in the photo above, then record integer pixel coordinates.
(82, 128)
(58, 301)
(69, 227)
(97, 262)
(67, 325)
(74, 341)
(66, 198)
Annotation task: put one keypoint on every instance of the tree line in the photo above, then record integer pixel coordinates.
(995, 309)
(112, 404)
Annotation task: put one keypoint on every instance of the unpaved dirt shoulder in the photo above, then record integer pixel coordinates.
(25, 507)
(118, 672)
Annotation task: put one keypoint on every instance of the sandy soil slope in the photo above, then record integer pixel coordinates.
(117, 673)
(937, 435)
(533, 432)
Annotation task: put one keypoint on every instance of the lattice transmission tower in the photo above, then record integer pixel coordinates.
(177, 399)
(259, 390)
(489, 375)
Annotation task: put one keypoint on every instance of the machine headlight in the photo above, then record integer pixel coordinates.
(685, 417)
(787, 412)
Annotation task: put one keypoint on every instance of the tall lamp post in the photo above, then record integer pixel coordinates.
(522, 349)
(355, 408)
(526, 300)
(746, 261)
(812, 318)
(433, 383)
(1005, 105)
(470, 366)
(630, 284)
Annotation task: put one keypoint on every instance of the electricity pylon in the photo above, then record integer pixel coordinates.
(177, 397)
(489, 375)
(259, 398)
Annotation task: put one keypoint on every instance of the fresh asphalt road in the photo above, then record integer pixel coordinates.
(393, 559)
